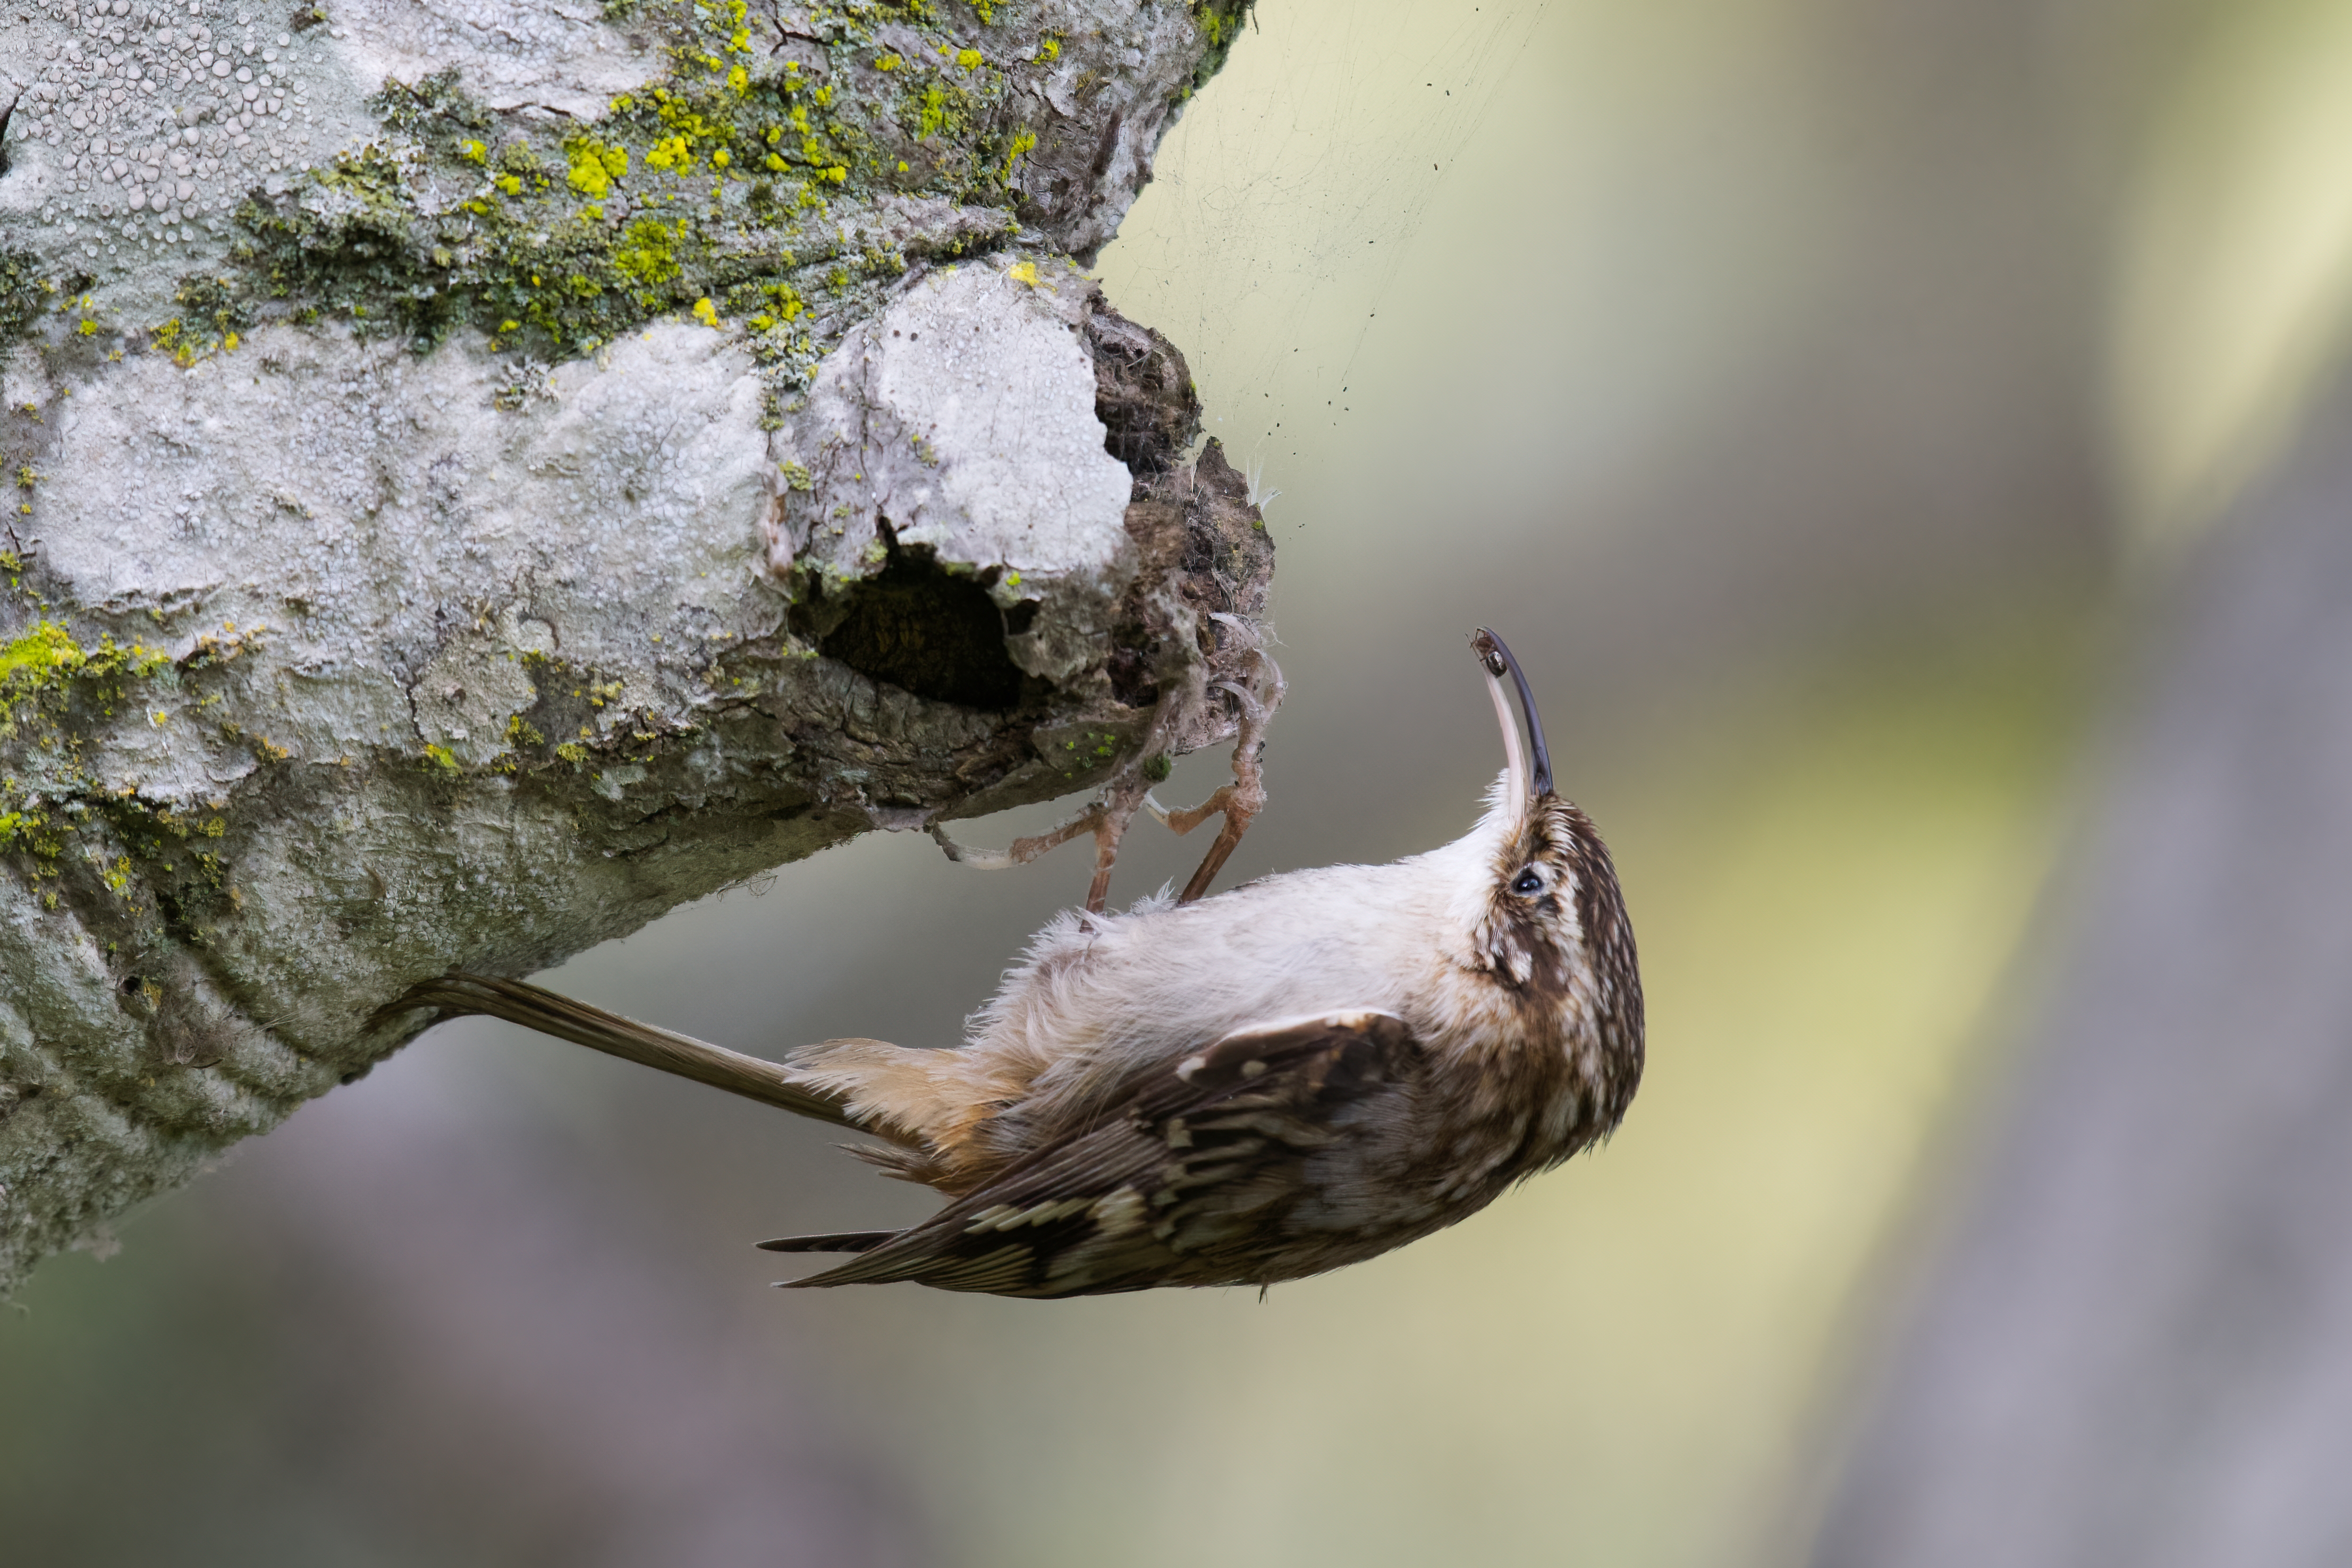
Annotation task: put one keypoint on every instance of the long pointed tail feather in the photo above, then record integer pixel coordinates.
(835, 1241)
(457, 993)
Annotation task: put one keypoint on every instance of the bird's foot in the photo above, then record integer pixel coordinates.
(1239, 801)
(1106, 816)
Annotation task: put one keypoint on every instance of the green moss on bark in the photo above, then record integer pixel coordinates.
(27, 292)
(744, 188)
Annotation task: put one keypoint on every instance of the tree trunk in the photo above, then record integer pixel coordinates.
(2138, 1347)
(483, 478)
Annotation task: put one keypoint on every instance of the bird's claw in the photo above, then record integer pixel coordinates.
(1107, 816)
(1239, 801)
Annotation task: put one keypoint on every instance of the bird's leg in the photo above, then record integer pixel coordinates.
(1105, 817)
(1239, 801)
(1117, 808)
(1022, 851)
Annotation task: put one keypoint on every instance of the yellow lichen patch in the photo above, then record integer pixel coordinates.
(38, 653)
(1022, 142)
(1022, 272)
(706, 313)
(931, 113)
(594, 165)
(647, 253)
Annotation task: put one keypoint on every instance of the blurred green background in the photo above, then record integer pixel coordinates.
(1807, 389)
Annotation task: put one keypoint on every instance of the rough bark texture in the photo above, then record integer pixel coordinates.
(2137, 1348)
(460, 515)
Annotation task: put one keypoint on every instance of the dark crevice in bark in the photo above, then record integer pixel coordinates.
(929, 631)
(1143, 394)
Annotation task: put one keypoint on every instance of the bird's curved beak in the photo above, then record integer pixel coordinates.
(1529, 767)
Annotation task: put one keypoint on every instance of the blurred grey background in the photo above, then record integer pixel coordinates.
(1839, 407)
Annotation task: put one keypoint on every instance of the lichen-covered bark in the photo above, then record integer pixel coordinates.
(520, 467)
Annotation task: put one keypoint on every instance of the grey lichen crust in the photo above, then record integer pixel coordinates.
(491, 472)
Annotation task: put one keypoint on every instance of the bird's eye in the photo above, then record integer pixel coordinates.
(1527, 884)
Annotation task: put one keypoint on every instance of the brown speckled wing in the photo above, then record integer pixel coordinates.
(1183, 1183)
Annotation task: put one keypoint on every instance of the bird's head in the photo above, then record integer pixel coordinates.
(1547, 924)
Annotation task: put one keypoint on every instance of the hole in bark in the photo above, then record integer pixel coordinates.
(936, 635)
(1129, 668)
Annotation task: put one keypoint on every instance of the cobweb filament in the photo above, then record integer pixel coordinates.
(1284, 200)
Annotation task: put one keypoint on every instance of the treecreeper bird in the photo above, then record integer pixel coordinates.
(1298, 1074)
